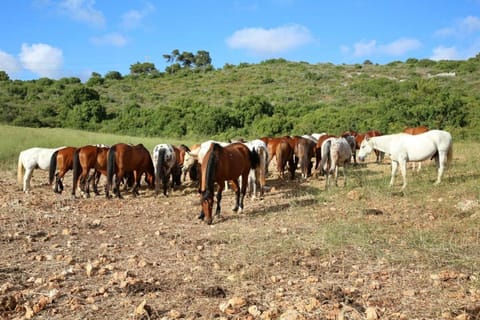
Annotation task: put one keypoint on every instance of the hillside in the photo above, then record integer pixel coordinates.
(270, 98)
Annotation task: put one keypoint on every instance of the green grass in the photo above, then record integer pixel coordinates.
(16, 139)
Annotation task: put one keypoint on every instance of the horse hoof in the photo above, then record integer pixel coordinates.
(201, 216)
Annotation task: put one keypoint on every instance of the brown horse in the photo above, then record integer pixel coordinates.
(305, 151)
(416, 130)
(63, 160)
(222, 164)
(285, 155)
(124, 158)
(86, 158)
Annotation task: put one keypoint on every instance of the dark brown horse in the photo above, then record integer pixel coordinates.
(305, 151)
(87, 158)
(124, 158)
(63, 160)
(222, 164)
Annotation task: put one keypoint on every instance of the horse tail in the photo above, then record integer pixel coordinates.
(160, 164)
(254, 158)
(111, 165)
(326, 155)
(76, 168)
(53, 167)
(450, 154)
(20, 170)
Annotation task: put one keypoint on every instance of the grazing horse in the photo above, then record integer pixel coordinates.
(30, 159)
(63, 160)
(414, 131)
(123, 158)
(165, 163)
(285, 155)
(305, 151)
(404, 148)
(225, 164)
(86, 158)
(318, 148)
(259, 173)
(372, 133)
(336, 152)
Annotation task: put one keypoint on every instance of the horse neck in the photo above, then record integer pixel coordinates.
(381, 143)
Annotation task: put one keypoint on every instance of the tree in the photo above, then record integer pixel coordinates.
(145, 68)
(113, 75)
(4, 76)
(202, 59)
(95, 79)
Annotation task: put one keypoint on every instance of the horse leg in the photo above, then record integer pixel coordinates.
(236, 188)
(403, 170)
(26, 179)
(165, 178)
(441, 161)
(219, 199)
(394, 172)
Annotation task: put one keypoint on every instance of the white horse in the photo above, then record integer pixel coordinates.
(30, 159)
(164, 161)
(404, 148)
(260, 172)
(336, 152)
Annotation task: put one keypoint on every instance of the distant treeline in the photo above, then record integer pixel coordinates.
(274, 97)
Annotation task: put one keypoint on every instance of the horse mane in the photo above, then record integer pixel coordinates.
(210, 171)
(185, 147)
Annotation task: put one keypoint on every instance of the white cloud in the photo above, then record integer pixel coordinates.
(395, 48)
(362, 49)
(133, 19)
(111, 39)
(444, 53)
(470, 24)
(42, 59)
(83, 11)
(9, 63)
(400, 46)
(270, 41)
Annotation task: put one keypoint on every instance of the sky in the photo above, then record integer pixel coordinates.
(73, 38)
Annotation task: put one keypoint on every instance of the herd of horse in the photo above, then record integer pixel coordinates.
(241, 165)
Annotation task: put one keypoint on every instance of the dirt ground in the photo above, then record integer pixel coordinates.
(151, 258)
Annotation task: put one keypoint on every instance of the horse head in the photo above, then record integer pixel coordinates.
(365, 149)
(207, 206)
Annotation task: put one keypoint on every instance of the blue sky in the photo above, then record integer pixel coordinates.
(73, 38)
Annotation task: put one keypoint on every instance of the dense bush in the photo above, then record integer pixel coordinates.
(275, 97)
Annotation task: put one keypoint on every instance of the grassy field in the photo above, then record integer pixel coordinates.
(326, 254)
(16, 139)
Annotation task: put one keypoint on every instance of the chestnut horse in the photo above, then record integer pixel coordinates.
(305, 151)
(223, 164)
(84, 159)
(63, 160)
(124, 158)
